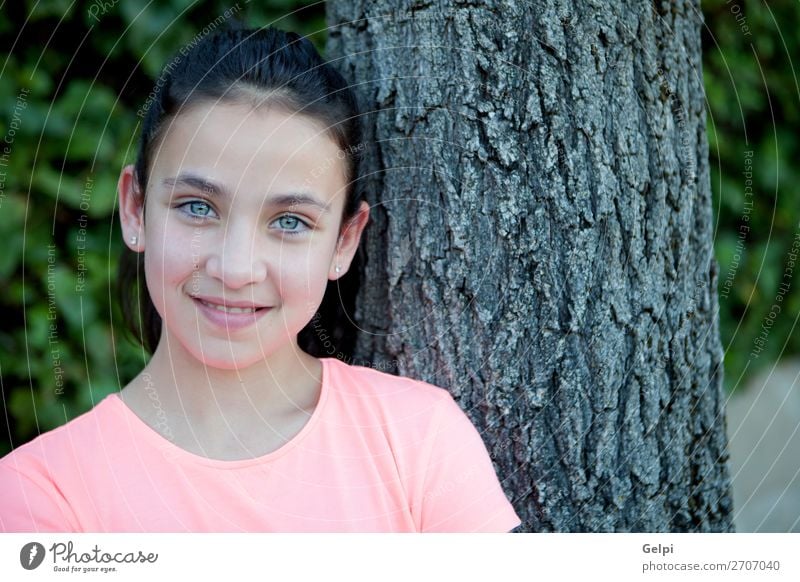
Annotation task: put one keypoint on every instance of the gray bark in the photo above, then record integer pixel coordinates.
(541, 245)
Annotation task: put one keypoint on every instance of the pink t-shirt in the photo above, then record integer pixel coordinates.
(380, 453)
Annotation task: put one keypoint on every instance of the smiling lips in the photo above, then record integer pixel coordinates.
(227, 309)
(229, 314)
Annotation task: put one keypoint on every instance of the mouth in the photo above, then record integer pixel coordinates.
(227, 317)
(226, 309)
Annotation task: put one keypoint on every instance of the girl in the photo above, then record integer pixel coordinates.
(242, 204)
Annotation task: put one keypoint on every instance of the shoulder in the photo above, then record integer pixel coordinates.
(442, 461)
(409, 412)
(59, 447)
(402, 394)
(37, 479)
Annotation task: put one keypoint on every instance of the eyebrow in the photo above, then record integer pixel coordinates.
(213, 189)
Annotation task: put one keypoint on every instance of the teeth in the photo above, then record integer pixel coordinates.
(228, 309)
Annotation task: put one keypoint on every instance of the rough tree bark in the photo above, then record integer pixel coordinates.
(542, 245)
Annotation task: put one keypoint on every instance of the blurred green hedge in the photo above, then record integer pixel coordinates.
(68, 109)
(754, 106)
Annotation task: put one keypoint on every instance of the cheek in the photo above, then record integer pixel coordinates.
(302, 278)
(300, 274)
(167, 264)
(172, 261)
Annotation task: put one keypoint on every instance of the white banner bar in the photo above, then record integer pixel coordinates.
(400, 557)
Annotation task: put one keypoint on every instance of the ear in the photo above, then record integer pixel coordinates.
(348, 241)
(131, 209)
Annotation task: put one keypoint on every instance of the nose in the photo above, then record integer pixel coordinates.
(236, 259)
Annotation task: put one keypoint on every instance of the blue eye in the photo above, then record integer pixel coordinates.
(195, 205)
(288, 222)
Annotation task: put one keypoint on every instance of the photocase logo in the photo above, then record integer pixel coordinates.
(31, 555)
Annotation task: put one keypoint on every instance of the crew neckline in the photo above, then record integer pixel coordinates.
(173, 452)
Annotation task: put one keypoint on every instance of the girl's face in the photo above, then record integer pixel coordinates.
(243, 208)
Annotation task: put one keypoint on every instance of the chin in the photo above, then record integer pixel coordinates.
(227, 362)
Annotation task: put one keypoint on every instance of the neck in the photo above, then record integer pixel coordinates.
(206, 396)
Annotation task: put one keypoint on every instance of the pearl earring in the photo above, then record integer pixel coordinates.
(338, 268)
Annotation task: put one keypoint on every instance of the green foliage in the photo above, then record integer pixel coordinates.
(753, 106)
(71, 87)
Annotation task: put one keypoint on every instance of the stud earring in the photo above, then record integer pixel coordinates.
(133, 240)
(338, 268)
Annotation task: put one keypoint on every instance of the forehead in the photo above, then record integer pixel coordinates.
(252, 150)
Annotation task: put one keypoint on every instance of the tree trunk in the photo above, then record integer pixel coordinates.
(541, 245)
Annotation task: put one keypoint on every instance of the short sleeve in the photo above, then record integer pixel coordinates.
(461, 491)
(27, 506)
